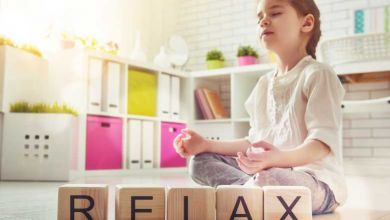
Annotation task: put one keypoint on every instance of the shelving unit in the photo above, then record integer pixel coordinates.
(96, 85)
(372, 71)
(240, 82)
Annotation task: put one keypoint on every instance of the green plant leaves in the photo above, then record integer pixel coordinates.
(41, 108)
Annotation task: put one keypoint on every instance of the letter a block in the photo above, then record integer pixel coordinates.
(192, 203)
(287, 202)
(84, 201)
(139, 203)
(239, 202)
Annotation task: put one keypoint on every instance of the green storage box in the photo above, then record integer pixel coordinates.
(142, 93)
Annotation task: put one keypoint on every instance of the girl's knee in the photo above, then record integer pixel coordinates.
(271, 177)
(197, 166)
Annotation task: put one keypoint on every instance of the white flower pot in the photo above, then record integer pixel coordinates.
(38, 146)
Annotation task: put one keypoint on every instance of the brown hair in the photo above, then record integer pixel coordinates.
(305, 7)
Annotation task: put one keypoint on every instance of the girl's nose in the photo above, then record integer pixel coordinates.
(264, 22)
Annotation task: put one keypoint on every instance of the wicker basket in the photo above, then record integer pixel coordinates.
(356, 48)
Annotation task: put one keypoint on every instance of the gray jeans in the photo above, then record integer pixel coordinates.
(214, 169)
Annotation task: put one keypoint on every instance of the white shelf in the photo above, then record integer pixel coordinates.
(106, 114)
(137, 117)
(211, 121)
(142, 117)
(136, 64)
(241, 120)
(370, 105)
(362, 67)
(258, 68)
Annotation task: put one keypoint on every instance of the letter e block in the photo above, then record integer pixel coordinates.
(139, 203)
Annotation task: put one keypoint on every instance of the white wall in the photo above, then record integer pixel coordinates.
(208, 24)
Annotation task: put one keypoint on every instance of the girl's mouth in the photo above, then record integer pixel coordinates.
(266, 33)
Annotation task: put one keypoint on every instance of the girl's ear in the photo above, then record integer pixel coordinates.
(308, 23)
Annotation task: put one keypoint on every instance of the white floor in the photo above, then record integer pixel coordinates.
(369, 197)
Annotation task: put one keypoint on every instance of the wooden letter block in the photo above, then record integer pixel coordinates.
(287, 202)
(239, 202)
(83, 201)
(139, 203)
(192, 203)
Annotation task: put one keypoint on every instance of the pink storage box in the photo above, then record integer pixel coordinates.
(104, 143)
(168, 155)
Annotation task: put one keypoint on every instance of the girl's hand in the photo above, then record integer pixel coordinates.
(255, 161)
(189, 143)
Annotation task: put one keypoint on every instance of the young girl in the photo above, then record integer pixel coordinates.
(295, 117)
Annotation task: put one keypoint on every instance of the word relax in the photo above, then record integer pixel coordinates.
(86, 201)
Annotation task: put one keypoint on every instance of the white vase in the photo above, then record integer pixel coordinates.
(162, 59)
(138, 54)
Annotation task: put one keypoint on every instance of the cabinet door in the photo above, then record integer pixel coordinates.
(95, 75)
(148, 144)
(169, 157)
(164, 96)
(134, 140)
(104, 143)
(175, 97)
(113, 87)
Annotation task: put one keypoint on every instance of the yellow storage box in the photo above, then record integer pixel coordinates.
(142, 93)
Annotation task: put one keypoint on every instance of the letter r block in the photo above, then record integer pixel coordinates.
(287, 202)
(192, 203)
(83, 201)
(239, 202)
(139, 203)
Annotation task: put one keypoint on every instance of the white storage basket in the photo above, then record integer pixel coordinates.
(356, 48)
(38, 146)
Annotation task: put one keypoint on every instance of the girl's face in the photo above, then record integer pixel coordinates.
(279, 26)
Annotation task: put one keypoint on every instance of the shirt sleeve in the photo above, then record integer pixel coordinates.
(323, 114)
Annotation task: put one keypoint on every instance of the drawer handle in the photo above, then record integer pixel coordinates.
(147, 161)
(113, 105)
(95, 103)
(175, 113)
(135, 161)
(165, 112)
(172, 129)
(105, 124)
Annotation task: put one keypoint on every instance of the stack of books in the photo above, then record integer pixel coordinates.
(209, 104)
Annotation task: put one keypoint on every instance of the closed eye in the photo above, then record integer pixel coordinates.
(276, 14)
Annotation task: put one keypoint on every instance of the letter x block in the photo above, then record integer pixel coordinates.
(82, 201)
(192, 203)
(139, 203)
(239, 202)
(287, 202)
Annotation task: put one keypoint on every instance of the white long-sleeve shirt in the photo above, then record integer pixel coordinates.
(303, 104)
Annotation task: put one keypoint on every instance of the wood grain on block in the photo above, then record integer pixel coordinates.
(191, 203)
(287, 202)
(139, 203)
(83, 201)
(239, 202)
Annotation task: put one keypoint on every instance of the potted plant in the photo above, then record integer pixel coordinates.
(246, 55)
(215, 59)
(39, 142)
(68, 40)
(4, 41)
